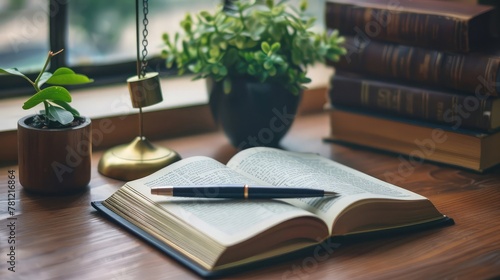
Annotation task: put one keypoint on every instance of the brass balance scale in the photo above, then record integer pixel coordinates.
(140, 157)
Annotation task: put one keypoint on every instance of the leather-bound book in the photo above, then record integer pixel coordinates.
(450, 26)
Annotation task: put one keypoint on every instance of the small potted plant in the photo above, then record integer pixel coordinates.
(54, 146)
(255, 55)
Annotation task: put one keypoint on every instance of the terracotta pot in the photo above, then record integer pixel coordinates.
(253, 113)
(54, 161)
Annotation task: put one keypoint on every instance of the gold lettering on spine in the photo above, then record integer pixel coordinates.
(492, 69)
(388, 99)
(385, 56)
(439, 110)
(488, 70)
(365, 93)
(394, 63)
(436, 65)
(460, 69)
(424, 67)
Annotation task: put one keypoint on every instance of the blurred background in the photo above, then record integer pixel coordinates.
(99, 32)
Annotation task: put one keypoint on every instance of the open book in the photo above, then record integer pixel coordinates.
(214, 235)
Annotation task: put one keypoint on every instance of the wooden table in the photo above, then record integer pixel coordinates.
(64, 238)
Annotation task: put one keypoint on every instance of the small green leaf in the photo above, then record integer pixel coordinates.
(12, 71)
(215, 69)
(206, 15)
(260, 56)
(170, 61)
(303, 5)
(272, 71)
(60, 115)
(67, 107)
(277, 10)
(45, 76)
(214, 51)
(66, 76)
(240, 42)
(48, 94)
(222, 70)
(265, 47)
(251, 70)
(275, 47)
(268, 64)
(305, 80)
(230, 57)
(166, 37)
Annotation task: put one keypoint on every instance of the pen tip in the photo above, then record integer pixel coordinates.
(329, 193)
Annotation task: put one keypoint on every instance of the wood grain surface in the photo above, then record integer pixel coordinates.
(64, 238)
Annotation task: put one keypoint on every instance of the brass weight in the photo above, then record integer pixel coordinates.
(140, 157)
(145, 91)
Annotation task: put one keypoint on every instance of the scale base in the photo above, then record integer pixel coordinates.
(135, 160)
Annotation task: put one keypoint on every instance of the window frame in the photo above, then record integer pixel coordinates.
(105, 74)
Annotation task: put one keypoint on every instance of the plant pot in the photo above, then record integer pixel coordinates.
(253, 114)
(54, 161)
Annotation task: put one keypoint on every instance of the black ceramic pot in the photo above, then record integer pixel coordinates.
(253, 114)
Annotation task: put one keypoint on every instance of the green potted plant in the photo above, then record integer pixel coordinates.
(54, 146)
(254, 55)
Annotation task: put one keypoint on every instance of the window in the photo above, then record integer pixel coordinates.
(98, 36)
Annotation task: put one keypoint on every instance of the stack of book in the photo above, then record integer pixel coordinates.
(420, 79)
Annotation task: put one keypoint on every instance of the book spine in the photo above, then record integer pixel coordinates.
(408, 138)
(473, 73)
(399, 26)
(457, 110)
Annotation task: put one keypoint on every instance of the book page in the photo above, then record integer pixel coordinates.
(292, 169)
(228, 221)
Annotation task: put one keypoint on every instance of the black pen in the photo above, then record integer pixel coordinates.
(239, 192)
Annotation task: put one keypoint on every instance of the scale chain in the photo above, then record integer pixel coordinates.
(145, 32)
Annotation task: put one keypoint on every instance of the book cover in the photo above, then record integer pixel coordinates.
(450, 26)
(418, 141)
(454, 109)
(475, 73)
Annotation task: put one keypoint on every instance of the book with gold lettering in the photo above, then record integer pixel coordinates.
(475, 73)
(221, 236)
(415, 141)
(447, 25)
(434, 105)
